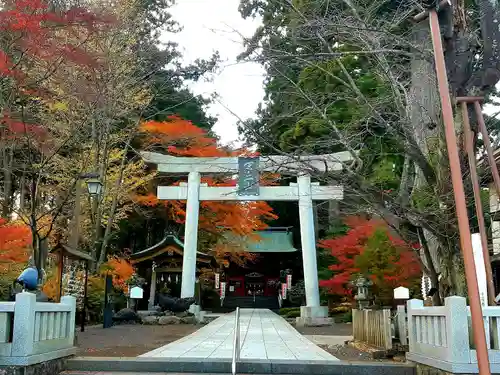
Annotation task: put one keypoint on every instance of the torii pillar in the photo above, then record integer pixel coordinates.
(304, 191)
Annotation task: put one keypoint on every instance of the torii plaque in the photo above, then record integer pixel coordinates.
(248, 189)
(248, 176)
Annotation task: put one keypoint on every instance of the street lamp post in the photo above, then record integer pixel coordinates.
(94, 188)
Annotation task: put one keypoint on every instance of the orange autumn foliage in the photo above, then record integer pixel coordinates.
(15, 239)
(120, 269)
(50, 288)
(180, 137)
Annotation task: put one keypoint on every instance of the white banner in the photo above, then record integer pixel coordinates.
(289, 281)
(222, 289)
(283, 291)
(217, 281)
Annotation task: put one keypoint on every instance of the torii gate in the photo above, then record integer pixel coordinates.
(304, 191)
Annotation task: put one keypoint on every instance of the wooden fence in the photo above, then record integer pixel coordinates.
(32, 332)
(373, 327)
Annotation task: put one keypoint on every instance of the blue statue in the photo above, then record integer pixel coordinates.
(28, 279)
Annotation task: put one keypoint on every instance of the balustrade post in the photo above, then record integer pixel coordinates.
(411, 305)
(24, 324)
(71, 323)
(457, 330)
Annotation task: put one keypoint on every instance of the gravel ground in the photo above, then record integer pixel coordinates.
(348, 353)
(344, 352)
(339, 329)
(358, 351)
(128, 340)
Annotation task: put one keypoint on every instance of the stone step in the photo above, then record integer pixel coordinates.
(165, 366)
(142, 373)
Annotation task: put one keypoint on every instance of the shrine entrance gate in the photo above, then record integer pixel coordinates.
(304, 191)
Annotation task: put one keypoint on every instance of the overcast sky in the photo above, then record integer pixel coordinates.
(216, 25)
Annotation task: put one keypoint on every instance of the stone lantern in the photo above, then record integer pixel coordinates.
(362, 291)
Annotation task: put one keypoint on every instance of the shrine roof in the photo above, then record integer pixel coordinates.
(71, 253)
(268, 242)
(161, 247)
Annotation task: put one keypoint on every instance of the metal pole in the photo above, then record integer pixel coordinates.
(477, 200)
(459, 194)
(487, 145)
(236, 341)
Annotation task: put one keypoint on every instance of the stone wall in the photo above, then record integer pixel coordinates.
(427, 370)
(53, 367)
(167, 318)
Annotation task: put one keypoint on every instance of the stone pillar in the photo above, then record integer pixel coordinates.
(191, 235)
(308, 241)
(313, 313)
(152, 290)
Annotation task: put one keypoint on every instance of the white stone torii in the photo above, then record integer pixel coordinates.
(304, 191)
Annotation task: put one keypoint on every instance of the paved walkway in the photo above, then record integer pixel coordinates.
(264, 335)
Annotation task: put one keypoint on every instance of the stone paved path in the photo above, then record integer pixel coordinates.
(264, 335)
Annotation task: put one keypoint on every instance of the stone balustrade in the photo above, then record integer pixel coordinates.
(33, 332)
(441, 336)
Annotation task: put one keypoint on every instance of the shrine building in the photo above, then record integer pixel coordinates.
(255, 284)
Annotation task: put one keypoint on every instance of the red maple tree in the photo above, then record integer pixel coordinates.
(37, 44)
(41, 44)
(369, 249)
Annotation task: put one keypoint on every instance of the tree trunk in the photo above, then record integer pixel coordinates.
(22, 188)
(427, 128)
(74, 236)
(8, 159)
(114, 205)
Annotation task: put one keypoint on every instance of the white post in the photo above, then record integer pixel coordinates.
(152, 290)
(191, 235)
(70, 301)
(23, 335)
(477, 250)
(308, 241)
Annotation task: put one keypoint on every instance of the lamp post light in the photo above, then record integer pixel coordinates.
(94, 187)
